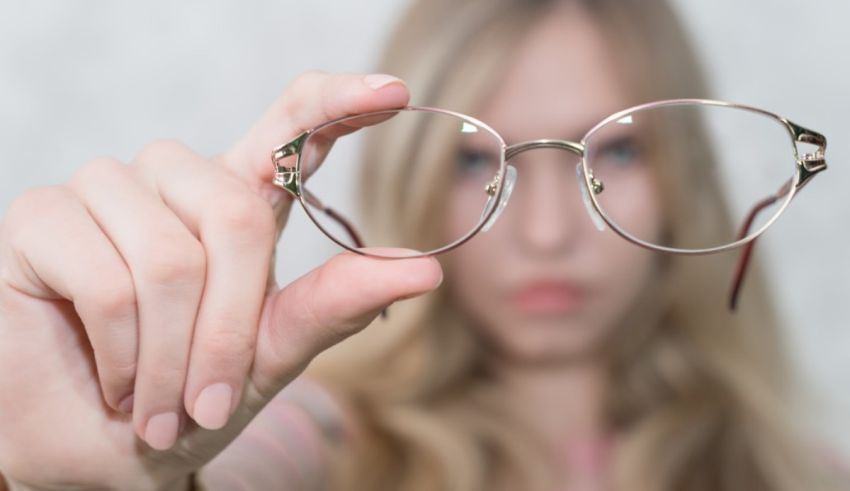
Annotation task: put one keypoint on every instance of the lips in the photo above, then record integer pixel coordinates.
(548, 298)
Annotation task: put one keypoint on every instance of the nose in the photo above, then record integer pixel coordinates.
(546, 202)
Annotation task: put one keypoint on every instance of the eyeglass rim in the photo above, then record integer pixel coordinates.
(794, 181)
(456, 243)
(795, 133)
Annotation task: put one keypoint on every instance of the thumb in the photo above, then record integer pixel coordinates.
(310, 100)
(326, 306)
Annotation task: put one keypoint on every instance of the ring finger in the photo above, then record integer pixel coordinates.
(167, 264)
(237, 229)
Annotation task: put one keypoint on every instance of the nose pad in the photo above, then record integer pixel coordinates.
(585, 197)
(510, 180)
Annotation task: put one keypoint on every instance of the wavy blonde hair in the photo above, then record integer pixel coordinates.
(699, 396)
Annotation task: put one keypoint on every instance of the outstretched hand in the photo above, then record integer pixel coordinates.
(141, 328)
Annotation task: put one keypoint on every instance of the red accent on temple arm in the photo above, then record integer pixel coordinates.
(349, 228)
(744, 261)
(346, 225)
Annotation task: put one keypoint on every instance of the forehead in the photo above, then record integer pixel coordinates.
(562, 80)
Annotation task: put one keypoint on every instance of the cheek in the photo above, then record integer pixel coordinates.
(625, 271)
(464, 214)
(476, 273)
(475, 269)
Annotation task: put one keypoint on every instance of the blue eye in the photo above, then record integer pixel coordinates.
(472, 162)
(621, 152)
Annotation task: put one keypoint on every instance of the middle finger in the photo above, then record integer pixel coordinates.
(167, 264)
(237, 228)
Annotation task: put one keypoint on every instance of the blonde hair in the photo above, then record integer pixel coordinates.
(698, 394)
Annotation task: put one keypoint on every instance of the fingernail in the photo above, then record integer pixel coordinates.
(212, 407)
(126, 404)
(161, 432)
(376, 81)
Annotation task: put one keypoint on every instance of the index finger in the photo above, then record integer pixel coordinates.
(310, 100)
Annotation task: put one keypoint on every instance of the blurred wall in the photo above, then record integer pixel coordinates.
(90, 78)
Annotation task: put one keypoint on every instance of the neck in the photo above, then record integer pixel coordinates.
(563, 402)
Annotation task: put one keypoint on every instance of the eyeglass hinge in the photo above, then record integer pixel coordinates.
(810, 164)
(287, 177)
(290, 148)
(813, 162)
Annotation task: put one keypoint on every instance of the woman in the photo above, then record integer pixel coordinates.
(643, 383)
(650, 384)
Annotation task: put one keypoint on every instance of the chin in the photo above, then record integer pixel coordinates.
(550, 344)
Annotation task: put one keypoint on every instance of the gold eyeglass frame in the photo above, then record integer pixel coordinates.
(289, 178)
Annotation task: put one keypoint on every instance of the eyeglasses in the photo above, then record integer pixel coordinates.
(665, 176)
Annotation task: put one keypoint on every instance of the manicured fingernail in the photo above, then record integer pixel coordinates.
(379, 80)
(212, 407)
(126, 404)
(161, 432)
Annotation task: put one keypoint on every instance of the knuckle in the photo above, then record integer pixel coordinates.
(117, 378)
(308, 80)
(233, 345)
(39, 196)
(122, 372)
(31, 211)
(247, 214)
(167, 374)
(297, 95)
(159, 151)
(36, 200)
(175, 261)
(94, 170)
(110, 300)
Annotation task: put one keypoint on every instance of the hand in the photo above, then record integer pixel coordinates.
(149, 287)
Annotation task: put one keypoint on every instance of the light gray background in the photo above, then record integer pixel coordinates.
(89, 78)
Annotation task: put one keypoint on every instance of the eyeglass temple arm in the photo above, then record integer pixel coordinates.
(744, 261)
(807, 166)
(335, 216)
(286, 177)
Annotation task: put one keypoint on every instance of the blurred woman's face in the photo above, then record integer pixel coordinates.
(544, 284)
